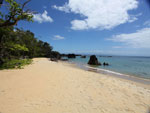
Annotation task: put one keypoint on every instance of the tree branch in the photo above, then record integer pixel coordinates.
(25, 4)
(15, 15)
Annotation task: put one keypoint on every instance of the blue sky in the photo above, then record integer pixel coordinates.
(94, 27)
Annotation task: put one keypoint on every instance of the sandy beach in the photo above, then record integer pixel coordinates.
(56, 87)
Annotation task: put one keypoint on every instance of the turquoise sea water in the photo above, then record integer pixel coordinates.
(134, 66)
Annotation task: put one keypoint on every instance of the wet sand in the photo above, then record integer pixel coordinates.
(51, 87)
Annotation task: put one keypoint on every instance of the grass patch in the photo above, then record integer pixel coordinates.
(15, 64)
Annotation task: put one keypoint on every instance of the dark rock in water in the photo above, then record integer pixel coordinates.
(105, 64)
(78, 55)
(71, 56)
(83, 56)
(109, 56)
(64, 55)
(105, 56)
(93, 60)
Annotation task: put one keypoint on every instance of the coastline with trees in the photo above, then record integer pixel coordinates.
(17, 44)
(48, 86)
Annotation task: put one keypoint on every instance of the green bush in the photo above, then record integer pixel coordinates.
(18, 64)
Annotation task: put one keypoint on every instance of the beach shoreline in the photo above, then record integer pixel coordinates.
(129, 78)
(133, 66)
(61, 87)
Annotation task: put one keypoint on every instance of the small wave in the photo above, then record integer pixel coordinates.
(117, 74)
(112, 73)
(107, 71)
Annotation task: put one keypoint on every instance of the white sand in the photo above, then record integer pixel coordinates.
(50, 87)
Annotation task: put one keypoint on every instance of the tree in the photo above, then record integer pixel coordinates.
(5, 35)
(16, 12)
(19, 43)
(55, 54)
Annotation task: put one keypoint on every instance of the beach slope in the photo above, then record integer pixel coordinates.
(51, 87)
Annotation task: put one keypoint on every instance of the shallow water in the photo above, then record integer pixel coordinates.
(134, 66)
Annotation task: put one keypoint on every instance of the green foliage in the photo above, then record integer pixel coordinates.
(15, 64)
(18, 47)
(16, 44)
(15, 13)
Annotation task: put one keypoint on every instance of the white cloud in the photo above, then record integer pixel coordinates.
(134, 17)
(79, 25)
(58, 37)
(64, 8)
(139, 39)
(101, 14)
(42, 17)
(147, 23)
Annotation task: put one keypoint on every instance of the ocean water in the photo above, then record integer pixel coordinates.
(134, 66)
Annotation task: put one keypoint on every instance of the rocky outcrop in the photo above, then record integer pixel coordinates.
(55, 56)
(105, 64)
(83, 56)
(93, 60)
(64, 55)
(71, 56)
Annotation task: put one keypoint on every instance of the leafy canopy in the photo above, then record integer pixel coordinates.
(16, 12)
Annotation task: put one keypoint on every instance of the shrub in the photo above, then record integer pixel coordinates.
(18, 64)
